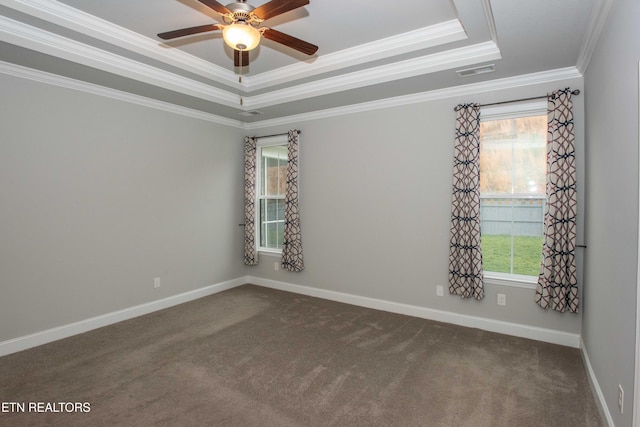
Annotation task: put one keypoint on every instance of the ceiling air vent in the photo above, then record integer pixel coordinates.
(250, 113)
(477, 70)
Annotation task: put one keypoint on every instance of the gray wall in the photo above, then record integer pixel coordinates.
(611, 90)
(99, 196)
(375, 206)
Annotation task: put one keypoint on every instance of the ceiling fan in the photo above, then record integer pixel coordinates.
(242, 30)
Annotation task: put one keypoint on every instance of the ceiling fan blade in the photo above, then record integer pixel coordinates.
(189, 31)
(222, 10)
(292, 42)
(240, 58)
(277, 7)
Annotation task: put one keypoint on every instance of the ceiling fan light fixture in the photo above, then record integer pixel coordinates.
(241, 36)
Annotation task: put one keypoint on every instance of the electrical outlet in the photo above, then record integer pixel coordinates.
(439, 290)
(502, 299)
(156, 282)
(276, 266)
(620, 398)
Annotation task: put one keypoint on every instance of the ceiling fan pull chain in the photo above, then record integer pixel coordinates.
(240, 78)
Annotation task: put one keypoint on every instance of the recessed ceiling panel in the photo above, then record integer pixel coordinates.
(332, 25)
(368, 49)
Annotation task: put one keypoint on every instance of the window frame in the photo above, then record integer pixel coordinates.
(273, 141)
(501, 112)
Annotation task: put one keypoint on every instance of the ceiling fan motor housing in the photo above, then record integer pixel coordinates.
(241, 12)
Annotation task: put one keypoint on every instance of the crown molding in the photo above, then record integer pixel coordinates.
(73, 19)
(68, 17)
(93, 89)
(491, 22)
(487, 51)
(37, 39)
(597, 20)
(422, 38)
(76, 20)
(451, 92)
(29, 37)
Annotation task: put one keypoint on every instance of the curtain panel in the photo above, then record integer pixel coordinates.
(465, 255)
(557, 283)
(292, 258)
(250, 251)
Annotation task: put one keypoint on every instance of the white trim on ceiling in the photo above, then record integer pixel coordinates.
(92, 26)
(93, 89)
(598, 18)
(37, 39)
(481, 52)
(411, 41)
(71, 18)
(33, 38)
(68, 17)
(491, 22)
(433, 95)
(457, 91)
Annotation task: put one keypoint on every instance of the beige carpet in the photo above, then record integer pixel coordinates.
(252, 356)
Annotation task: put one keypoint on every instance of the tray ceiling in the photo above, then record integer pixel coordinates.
(369, 50)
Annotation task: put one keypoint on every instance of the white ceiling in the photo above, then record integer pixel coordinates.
(369, 50)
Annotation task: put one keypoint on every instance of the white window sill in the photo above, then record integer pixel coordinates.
(512, 280)
(270, 252)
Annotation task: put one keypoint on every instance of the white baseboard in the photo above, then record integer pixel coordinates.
(507, 328)
(49, 335)
(595, 387)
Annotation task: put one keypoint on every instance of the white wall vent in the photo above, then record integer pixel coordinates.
(250, 113)
(476, 70)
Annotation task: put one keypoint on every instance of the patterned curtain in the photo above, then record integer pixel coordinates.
(250, 253)
(465, 255)
(292, 259)
(557, 283)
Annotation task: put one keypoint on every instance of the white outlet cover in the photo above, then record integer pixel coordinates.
(620, 398)
(502, 299)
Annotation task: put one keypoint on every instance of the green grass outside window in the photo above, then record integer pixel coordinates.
(527, 253)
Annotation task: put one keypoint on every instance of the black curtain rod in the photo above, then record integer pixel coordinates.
(277, 134)
(573, 92)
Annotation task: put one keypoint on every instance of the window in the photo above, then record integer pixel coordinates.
(271, 181)
(513, 166)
